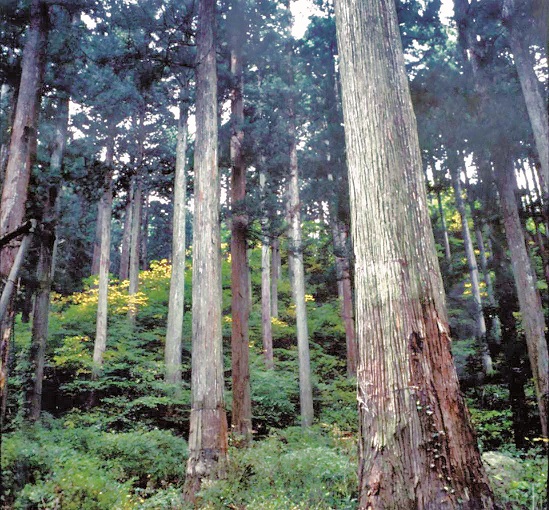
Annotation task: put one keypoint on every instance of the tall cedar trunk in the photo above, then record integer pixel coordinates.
(176, 305)
(144, 234)
(535, 99)
(124, 272)
(533, 321)
(478, 315)
(512, 342)
(208, 421)
(417, 448)
(297, 272)
(96, 254)
(135, 245)
(40, 321)
(22, 152)
(136, 229)
(447, 250)
(266, 324)
(275, 275)
(241, 422)
(344, 288)
(22, 149)
(105, 206)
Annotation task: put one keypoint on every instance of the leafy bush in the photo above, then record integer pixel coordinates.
(290, 469)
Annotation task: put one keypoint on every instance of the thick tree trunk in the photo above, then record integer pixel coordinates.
(176, 306)
(241, 422)
(124, 272)
(531, 310)
(478, 315)
(105, 206)
(208, 421)
(40, 321)
(22, 149)
(417, 447)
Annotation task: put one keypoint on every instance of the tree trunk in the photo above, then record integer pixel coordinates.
(275, 275)
(124, 272)
(40, 321)
(96, 255)
(22, 149)
(478, 315)
(295, 262)
(536, 101)
(345, 292)
(531, 310)
(447, 250)
(135, 246)
(144, 234)
(266, 324)
(241, 422)
(176, 306)
(208, 421)
(105, 206)
(417, 448)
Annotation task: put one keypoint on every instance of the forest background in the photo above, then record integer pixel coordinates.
(95, 401)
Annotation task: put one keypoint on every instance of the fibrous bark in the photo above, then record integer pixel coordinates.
(417, 446)
(208, 421)
(176, 305)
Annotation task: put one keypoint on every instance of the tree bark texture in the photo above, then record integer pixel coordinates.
(208, 421)
(176, 306)
(275, 275)
(105, 208)
(135, 245)
(241, 418)
(533, 321)
(417, 446)
(478, 314)
(22, 149)
(297, 273)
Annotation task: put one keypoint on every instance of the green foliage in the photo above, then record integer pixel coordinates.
(290, 469)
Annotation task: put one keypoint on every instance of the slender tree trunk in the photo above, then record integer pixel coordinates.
(144, 234)
(266, 307)
(135, 246)
(478, 315)
(417, 448)
(447, 250)
(124, 272)
(208, 421)
(297, 272)
(345, 292)
(525, 279)
(40, 321)
(275, 275)
(241, 422)
(96, 255)
(176, 307)
(105, 207)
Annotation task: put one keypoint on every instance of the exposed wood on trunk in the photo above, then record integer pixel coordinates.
(417, 446)
(241, 416)
(533, 320)
(208, 421)
(105, 207)
(176, 305)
